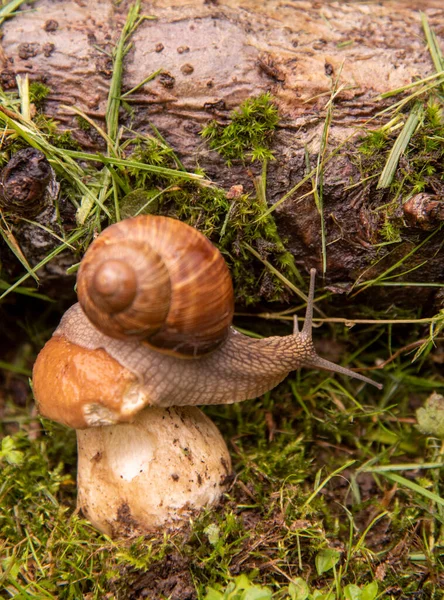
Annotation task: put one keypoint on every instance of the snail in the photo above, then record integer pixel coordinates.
(150, 339)
(158, 280)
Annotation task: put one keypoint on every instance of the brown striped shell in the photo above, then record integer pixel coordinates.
(160, 280)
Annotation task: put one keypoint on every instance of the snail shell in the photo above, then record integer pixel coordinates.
(160, 280)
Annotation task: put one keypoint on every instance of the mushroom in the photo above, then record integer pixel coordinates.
(155, 466)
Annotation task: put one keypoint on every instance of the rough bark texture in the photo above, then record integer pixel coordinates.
(214, 54)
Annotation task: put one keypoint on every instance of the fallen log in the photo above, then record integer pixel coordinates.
(319, 61)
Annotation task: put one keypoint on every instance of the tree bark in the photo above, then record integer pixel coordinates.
(215, 54)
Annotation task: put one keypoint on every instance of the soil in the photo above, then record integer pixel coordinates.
(169, 578)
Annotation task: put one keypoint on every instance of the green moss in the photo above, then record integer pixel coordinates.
(62, 139)
(249, 133)
(233, 225)
(279, 511)
(83, 124)
(390, 231)
(151, 151)
(38, 92)
(373, 142)
(65, 140)
(291, 502)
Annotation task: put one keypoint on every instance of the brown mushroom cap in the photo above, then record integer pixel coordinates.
(81, 388)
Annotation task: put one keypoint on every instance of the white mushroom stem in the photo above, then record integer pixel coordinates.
(157, 470)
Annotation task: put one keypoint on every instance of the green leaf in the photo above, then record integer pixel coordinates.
(9, 453)
(11, 565)
(298, 589)
(352, 592)
(257, 593)
(414, 487)
(213, 594)
(318, 595)
(370, 591)
(242, 583)
(326, 559)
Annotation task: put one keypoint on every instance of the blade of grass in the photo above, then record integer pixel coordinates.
(133, 21)
(260, 185)
(43, 262)
(414, 84)
(366, 285)
(47, 229)
(278, 274)
(401, 143)
(4, 285)
(152, 199)
(425, 91)
(142, 83)
(163, 141)
(414, 487)
(361, 540)
(60, 159)
(13, 245)
(347, 322)
(121, 162)
(11, 8)
(14, 368)
(396, 276)
(324, 482)
(402, 467)
(407, 284)
(91, 122)
(433, 44)
(23, 88)
(318, 182)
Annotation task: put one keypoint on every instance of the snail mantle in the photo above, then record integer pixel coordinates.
(149, 340)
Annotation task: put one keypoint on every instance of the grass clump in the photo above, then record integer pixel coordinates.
(249, 133)
(421, 168)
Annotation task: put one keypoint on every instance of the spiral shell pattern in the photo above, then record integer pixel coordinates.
(159, 280)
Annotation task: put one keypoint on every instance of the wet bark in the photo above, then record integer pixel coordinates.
(215, 54)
